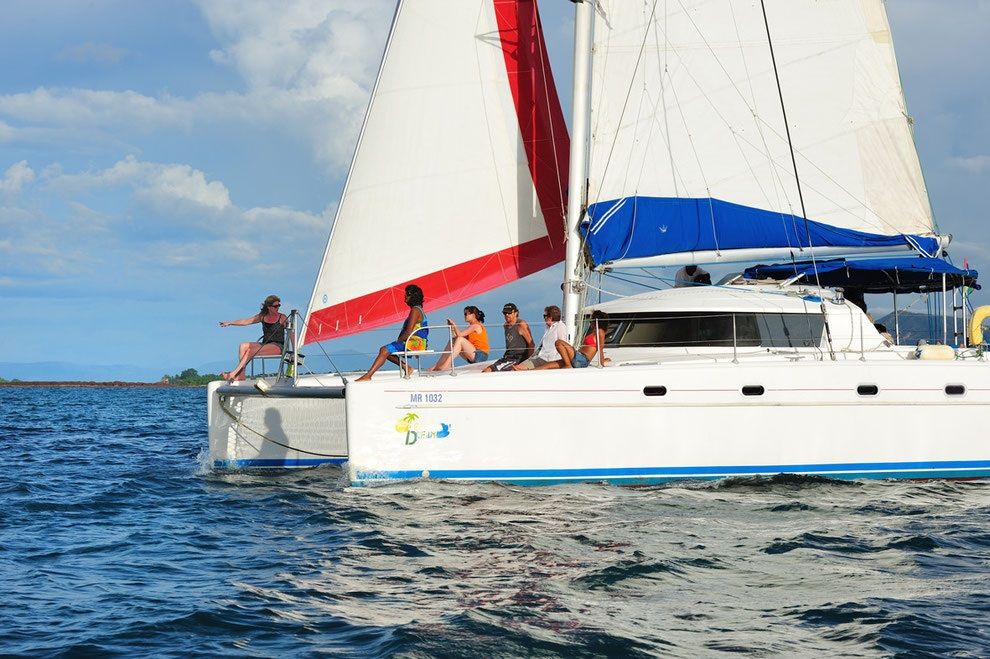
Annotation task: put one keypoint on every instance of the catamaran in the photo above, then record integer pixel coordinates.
(702, 132)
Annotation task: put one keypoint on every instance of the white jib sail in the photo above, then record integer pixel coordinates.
(440, 190)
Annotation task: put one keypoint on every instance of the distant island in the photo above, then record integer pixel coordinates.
(187, 378)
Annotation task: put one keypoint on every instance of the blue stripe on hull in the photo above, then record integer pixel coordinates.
(276, 463)
(653, 475)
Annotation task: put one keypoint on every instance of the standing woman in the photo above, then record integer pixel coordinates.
(272, 341)
(471, 343)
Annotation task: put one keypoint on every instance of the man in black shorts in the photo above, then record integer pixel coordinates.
(518, 340)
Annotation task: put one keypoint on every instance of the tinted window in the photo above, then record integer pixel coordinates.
(780, 330)
(715, 330)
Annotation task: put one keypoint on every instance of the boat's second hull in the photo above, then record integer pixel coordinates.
(249, 429)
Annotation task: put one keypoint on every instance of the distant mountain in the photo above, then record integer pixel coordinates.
(67, 371)
(915, 327)
(315, 361)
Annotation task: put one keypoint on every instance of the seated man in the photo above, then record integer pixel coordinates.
(518, 340)
(691, 275)
(556, 331)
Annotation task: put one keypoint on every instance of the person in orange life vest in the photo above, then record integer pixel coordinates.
(471, 343)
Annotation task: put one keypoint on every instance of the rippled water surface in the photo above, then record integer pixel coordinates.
(115, 539)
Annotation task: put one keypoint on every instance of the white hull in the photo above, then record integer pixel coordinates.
(599, 425)
(250, 430)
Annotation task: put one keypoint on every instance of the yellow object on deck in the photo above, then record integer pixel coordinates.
(936, 352)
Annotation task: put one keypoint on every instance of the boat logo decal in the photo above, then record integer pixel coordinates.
(414, 429)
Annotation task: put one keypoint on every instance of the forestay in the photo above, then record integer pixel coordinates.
(458, 179)
(690, 160)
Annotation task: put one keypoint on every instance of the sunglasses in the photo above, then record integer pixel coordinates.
(506, 313)
(276, 305)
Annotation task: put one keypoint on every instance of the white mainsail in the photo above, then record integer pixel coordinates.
(459, 176)
(690, 158)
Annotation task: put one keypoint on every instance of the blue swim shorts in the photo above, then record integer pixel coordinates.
(395, 346)
(579, 361)
(479, 356)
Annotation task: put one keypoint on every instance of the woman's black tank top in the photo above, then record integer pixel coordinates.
(273, 332)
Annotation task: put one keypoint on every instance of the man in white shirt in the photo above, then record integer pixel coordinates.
(691, 275)
(556, 330)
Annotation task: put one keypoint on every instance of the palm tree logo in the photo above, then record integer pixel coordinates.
(406, 422)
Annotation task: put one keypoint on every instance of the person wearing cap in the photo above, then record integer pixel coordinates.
(518, 340)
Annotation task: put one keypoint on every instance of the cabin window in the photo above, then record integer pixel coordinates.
(708, 329)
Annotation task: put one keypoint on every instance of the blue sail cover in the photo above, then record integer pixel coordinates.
(636, 227)
(904, 275)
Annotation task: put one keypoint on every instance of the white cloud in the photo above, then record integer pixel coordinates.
(92, 52)
(308, 66)
(971, 164)
(15, 178)
(6, 132)
(281, 215)
(88, 107)
(156, 182)
(314, 60)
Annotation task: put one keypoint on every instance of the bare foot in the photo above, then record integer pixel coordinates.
(363, 378)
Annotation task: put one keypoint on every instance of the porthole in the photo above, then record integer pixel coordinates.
(752, 390)
(867, 390)
(655, 391)
(955, 390)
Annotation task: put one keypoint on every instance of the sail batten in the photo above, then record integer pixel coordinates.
(687, 108)
(458, 180)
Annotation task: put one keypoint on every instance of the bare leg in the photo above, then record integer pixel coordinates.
(550, 365)
(566, 351)
(443, 362)
(247, 352)
(461, 348)
(383, 355)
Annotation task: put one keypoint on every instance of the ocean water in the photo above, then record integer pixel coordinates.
(115, 539)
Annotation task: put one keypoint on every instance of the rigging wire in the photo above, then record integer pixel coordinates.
(797, 181)
(881, 223)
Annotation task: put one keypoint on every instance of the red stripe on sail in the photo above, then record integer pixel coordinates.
(541, 121)
(472, 277)
(544, 137)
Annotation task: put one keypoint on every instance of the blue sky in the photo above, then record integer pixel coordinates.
(167, 165)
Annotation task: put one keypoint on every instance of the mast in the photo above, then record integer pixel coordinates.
(578, 166)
